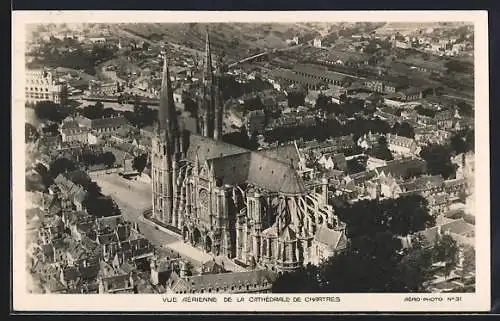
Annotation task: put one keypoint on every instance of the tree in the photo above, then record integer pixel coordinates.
(108, 159)
(463, 141)
(143, 115)
(139, 162)
(438, 159)
(322, 102)
(93, 189)
(401, 216)
(51, 111)
(446, 250)
(413, 270)
(304, 280)
(100, 206)
(465, 110)
(352, 106)
(30, 133)
(403, 129)
(61, 165)
(296, 98)
(356, 165)
(381, 150)
(254, 103)
(409, 214)
(425, 111)
(94, 112)
(34, 183)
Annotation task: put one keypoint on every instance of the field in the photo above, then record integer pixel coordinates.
(234, 39)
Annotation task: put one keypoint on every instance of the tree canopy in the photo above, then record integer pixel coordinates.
(97, 111)
(381, 150)
(463, 141)
(438, 159)
(61, 165)
(108, 159)
(47, 110)
(101, 206)
(140, 162)
(403, 129)
(402, 216)
(375, 256)
(30, 133)
(141, 116)
(356, 164)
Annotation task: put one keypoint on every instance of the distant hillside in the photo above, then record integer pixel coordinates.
(408, 27)
(236, 39)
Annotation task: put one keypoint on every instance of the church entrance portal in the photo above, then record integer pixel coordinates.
(196, 237)
(208, 244)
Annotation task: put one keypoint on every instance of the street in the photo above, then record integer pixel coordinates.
(134, 197)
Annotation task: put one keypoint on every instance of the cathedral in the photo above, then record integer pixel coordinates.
(232, 202)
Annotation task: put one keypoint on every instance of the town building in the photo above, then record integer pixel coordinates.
(228, 200)
(317, 42)
(256, 281)
(102, 125)
(255, 122)
(401, 145)
(319, 73)
(43, 85)
(99, 88)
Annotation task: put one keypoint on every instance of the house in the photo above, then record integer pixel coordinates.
(345, 58)
(326, 243)
(374, 162)
(160, 270)
(389, 186)
(403, 168)
(255, 121)
(402, 145)
(386, 85)
(103, 125)
(317, 42)
(408, 94)
(444, 119)
(255, 281)
(70, 277)
(116, 284)
(369, 140)
(426, 66)
(459, 230)
(319, 73)
(426, 184)
(333, 161)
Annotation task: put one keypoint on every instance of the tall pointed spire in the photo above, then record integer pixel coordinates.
(167, 113)
(218, 100)
(208, 71)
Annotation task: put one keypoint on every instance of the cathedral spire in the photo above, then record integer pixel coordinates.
(208, 71)
(167, 113)
(218, 100)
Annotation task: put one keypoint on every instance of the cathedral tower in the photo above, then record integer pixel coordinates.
(210, 104)
(165, 150)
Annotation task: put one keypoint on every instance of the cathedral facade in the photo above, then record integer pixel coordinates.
(230, 201)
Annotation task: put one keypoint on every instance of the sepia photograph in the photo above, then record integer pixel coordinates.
(199, 161)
